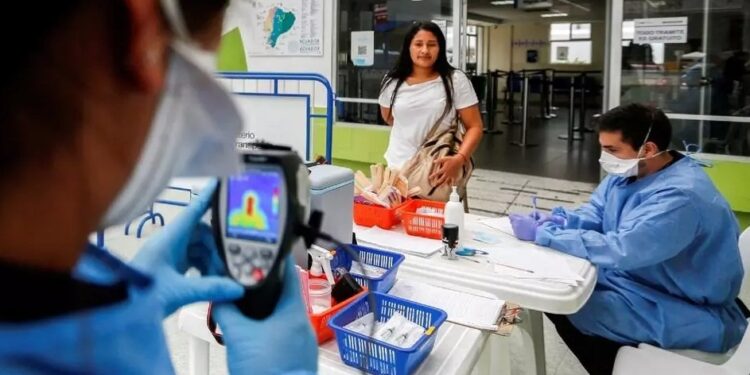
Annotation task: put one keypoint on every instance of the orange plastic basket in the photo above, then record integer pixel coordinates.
(320, 320)
(368, 215)
(423, 225)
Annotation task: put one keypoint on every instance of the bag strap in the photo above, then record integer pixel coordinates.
(434, 129)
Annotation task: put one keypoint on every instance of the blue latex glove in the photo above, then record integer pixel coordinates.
(524, 227)
(184, 243)
(542, 218)
(283, 343)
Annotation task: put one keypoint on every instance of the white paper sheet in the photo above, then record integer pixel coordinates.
(513, 257)
(498, 223)
(462, 308)
(393, 240)
(521, 256)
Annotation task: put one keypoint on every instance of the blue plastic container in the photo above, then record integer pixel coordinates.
(374, 257)
(376, 357)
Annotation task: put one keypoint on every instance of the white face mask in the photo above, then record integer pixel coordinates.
(625, 167)
(619, 167)
(193, 132)
(622, 167)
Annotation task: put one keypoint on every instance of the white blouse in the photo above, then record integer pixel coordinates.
(416, 109)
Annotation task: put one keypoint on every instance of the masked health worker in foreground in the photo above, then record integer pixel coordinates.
(663, 239)
(102, 103)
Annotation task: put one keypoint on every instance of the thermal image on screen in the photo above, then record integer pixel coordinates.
(253, 201)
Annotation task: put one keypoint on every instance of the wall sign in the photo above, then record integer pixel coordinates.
(661, 30)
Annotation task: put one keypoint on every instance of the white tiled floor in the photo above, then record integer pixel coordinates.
(495, 192)
(498, 193)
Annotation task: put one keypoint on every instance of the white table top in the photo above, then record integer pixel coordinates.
(456, 348)
(533, 294)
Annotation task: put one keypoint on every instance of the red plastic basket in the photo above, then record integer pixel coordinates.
(320, 320)
(368, 215)
(423, 225)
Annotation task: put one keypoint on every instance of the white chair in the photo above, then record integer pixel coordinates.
(648, 359)
(745, 255)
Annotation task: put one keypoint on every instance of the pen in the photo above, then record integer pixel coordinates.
(514, 267)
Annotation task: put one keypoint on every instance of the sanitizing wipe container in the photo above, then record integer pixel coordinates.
(374, 356)
(331, 192)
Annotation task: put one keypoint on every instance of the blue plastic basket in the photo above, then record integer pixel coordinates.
(376, 357)
(374, 257)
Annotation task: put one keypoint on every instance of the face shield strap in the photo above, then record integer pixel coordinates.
(648, 134)
(175, 19)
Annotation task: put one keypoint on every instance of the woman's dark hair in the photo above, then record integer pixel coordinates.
(405, 65)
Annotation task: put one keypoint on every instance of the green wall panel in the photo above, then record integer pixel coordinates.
(231, 55)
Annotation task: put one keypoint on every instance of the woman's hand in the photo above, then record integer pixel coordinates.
(447, 169)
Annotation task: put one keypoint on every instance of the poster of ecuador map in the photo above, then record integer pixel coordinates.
(283, 28)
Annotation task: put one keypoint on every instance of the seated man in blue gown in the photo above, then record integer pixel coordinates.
(664, 241)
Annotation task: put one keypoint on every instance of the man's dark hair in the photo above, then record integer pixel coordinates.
(634, 120)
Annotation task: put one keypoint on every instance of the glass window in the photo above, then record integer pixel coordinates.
(471, 53)
(580, 31)
(570, 43)
(578, 52)
(559, 31)
(389, 20)
(707, 73)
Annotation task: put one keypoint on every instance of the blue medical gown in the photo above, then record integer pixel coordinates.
(669, 264)
(122, 338)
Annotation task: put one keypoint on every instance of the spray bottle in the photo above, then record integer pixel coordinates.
(321, 279)
(321, 263)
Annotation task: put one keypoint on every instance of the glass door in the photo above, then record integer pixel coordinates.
(690, 58)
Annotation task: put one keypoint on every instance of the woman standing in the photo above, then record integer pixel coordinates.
(423, 90)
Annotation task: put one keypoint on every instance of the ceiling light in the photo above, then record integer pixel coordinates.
(503, 2)
(549, 15)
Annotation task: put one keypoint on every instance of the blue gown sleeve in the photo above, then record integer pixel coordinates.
(659, 228)
(589, 216)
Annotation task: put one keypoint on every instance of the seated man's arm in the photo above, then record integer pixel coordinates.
(588, 216)
(662, 226)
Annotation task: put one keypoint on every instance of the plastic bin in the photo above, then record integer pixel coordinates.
(319, 321)
(422, 225)
(376, 357)
(374, 257)
(368, 215)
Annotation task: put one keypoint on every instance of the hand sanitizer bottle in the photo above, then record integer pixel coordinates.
(454, 214)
